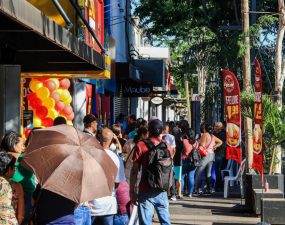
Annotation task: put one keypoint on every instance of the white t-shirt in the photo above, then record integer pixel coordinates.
(108, 205)
(169, 139)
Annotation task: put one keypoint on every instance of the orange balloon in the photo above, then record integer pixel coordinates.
(43, 93)
(49, 103)
(35, 85)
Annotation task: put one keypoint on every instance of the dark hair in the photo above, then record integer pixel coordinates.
(9, 141)
(141, 123)
(88, 119)
(155, 128)
(120, 117)
(116, 128)
(59, 120)
(133, 117)
(6, 162)
(207, 127)
(190, 135)
(184, 125)
(141, 131)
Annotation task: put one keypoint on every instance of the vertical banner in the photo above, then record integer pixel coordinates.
(233, 115)
(257, 131)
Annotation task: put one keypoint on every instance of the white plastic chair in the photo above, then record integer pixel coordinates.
(238, 177)
(229, 171)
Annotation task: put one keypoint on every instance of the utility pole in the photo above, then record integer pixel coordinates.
(247, 81)
(187, 100)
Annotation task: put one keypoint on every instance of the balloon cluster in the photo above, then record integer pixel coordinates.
(50, 98)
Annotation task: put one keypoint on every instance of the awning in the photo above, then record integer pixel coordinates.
(41, 46)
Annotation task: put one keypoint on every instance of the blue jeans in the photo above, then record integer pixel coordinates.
(121, 219)
(190, 182)
(156, 200)
(82, 216)
(103, 220)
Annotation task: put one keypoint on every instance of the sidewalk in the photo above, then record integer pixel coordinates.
(213, 210)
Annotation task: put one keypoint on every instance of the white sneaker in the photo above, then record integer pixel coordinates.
(173, 198)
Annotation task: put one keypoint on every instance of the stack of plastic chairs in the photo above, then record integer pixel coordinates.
(229, 170)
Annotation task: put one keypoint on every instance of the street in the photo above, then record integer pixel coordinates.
(213, 210)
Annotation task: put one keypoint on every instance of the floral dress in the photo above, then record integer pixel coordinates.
(7, 213)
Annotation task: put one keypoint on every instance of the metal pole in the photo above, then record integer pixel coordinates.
(187, 100)
(69, 25)
(78, 12)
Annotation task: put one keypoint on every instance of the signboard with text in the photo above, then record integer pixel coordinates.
(136, 89)
(233, 115)
(257, 130)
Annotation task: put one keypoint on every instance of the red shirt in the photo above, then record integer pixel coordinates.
(140, 156)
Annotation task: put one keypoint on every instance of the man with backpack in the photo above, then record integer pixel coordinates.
(154, 156)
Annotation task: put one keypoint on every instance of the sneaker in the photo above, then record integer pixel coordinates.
(188, 196)
(173, 198)
(196, 193)
(180, 197)
(207, 193)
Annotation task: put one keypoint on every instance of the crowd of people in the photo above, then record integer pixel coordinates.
(196, 162)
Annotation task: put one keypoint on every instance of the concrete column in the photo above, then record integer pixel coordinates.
(10, 95)
(79, 103)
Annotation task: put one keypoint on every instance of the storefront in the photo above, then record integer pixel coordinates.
(41, 64)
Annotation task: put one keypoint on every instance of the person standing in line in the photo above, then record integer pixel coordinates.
(220, 153)
(170, 139)
(177, 160)
(7, 212)
(148, 198)
(131, 125)
(13, 144)
(103, 209)
(90, 124)
(208, 144)
(188, 171)
(128, 150)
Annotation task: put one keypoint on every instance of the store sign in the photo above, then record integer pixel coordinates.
(136, 89)
(156, 100)
(257, 131)
(233, 115)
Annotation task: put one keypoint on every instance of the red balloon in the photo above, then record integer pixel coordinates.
(64, 83)
(32, 96)
(50, 84)
(59, 106)
(27, 132)
(67, 110)
(55, 95)
(70, 116)
(35, 103)
(47, 122)
(41, 112)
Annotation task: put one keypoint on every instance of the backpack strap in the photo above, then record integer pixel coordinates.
(149, 144)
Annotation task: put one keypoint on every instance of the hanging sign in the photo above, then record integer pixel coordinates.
(233, 115)
(257, 131)
(157, 100)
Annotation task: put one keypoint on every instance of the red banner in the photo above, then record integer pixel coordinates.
(233, 115)
(257, 130)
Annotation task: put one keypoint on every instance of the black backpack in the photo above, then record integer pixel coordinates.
(194, 158)
(159, 171)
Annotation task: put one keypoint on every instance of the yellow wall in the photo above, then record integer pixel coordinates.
(48, 8)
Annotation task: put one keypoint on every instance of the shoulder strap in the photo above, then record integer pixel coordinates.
(149, 144)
